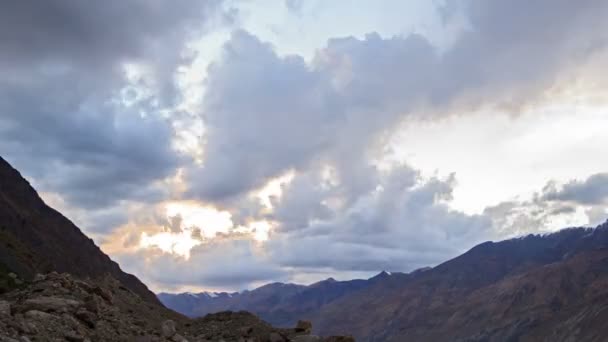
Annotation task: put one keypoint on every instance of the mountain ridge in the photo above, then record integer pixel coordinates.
(431, 304)
(38, 239)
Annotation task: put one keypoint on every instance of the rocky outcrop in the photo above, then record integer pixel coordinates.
(59, 307)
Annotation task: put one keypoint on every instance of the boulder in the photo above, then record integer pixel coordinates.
(168, 328)
(306, 338)
(304, 327)
(5, 308)
(275, 337)
(50, 304)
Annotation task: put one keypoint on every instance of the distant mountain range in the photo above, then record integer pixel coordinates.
(279, 303)
(551, 287)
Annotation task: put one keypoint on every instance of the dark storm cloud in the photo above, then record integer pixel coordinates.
(93, 33)
(63, 121)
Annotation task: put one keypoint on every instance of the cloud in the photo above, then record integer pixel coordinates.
(328, 121)
(574, 203)
(89, 111)
(266, 114)
(84, 93)
(401, 224)
(221, 263)
(591, 191)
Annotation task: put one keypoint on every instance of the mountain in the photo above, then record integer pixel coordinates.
(278, 303)
(551, 287)
(59, 307)
(34, 238)
(536, 288)
(57, 285)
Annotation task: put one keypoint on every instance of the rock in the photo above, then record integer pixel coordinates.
(39, 277)
(178, 338)
(304, 326)
(245, 331)
(339, 339)
(87, 317)
(7, 339)
(103, 293)
(74, 337)
(5, 308)
(57, 304)
(12, 275)
(92, 303)
(146, 338)
(306, 338)
(275, 337)
(38, 315)
(168, 328)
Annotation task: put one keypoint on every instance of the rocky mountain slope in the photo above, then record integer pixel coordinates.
(536, 288)
(58, 307)
(35, 238)
(57, 285)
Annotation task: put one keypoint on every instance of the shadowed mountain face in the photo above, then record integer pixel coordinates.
(537, 288)
(528, 289)
(35, 238)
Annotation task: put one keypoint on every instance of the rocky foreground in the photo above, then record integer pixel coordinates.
(58, 307)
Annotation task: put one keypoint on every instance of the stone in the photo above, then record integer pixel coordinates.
(245, 330)
(92, 303)
(74, 337)
(275, 337)
(304, 326)
(339, 339)
(87, 317)
(178, 338)
(5, 308)
(103, 293)
(57, 304)
(38, 315)
(306, 338)
(7, 339)
(39, 277)
(168, 328)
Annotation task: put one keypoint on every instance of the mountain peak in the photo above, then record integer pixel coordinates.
(381, 275)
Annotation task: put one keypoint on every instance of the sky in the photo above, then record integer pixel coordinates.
(224, 144)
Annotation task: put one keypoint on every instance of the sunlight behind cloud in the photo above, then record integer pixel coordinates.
(273, 189)
(209, 220)
(179, 244)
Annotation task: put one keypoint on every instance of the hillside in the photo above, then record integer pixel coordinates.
(57, 285)
(58, 307)
(524, 289)
(35, 238)
(536, 288)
